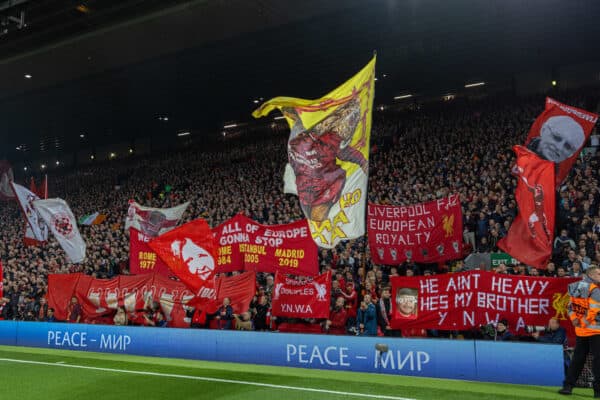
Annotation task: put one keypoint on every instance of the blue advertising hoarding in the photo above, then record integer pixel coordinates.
(454, 359)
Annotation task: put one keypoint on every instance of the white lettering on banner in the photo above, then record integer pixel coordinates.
(410, 225)
(429, 285)
(434, 303)
(305, 291)
(488, 320)
(468, 318)
(233, 239)
(410, 239)
(287, 233)
(463, 282)
(269, 241)
(523, 286)
(115, 342)
(416, 210)
(570, 110)
(331, 355)
(251, 228)
(412, 360)
(207, 293)
(387, 212)
(443, 316)
(231, 228)
(289, 281)
(297, 308)
(447, 203)
(463, 299)
(66, 339)
(498, 302)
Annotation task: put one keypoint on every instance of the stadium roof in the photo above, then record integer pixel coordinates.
(111, 70)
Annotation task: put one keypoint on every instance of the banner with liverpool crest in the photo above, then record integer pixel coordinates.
(473, 299)
(424, 232)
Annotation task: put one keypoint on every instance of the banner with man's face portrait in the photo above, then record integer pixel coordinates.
(473, 299)
(559, 133)
(190, 252)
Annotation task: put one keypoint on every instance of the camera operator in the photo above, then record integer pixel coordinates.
(554, 333)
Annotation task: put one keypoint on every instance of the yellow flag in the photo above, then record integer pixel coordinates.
(328, 154)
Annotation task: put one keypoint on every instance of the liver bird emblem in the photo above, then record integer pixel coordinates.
(560, 302)
(448, 225)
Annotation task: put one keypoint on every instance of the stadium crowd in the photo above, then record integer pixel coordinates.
(424, 153)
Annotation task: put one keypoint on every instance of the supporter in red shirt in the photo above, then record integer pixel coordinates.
(336, 324)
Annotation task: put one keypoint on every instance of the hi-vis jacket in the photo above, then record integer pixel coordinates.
(584, 307)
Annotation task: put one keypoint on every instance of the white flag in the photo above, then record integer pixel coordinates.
(62, 223)
(153, 221)
(39, 229)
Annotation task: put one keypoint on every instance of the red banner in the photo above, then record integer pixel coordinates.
(246, 244)
(100, 297)
(425, 232)
(559, 133)
(473, 299)
(302, 297)
(530, 236)
(190, 253)
(142, 259)
(239, 288)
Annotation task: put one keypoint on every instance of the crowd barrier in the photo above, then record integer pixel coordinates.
(521, 363)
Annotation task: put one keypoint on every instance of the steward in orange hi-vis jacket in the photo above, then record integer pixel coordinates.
(584, 311)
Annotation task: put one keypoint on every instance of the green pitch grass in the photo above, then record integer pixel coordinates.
(41, 374)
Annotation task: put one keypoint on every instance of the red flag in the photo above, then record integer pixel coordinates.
(61, 287)
(559, 133)
(529, 239)
(302, 297)
(239, 288)
(142, 259)
(190, 252)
